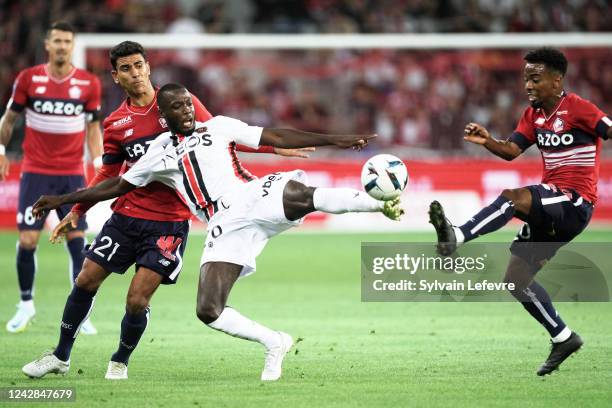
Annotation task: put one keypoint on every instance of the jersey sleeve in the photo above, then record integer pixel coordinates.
(93, 105)
(112, 151)
(236, 130)
(19, 96)
(524, 134)
(201, 113)
(591, 119)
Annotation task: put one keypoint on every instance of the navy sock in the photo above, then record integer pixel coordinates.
(489, 219)
(132, 328)
(78, 306)
(26, 269)
(541, 308)
(75, 247)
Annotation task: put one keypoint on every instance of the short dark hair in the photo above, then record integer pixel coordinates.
(164, 90)
(552, 58)
(125, 49)
(61, 26)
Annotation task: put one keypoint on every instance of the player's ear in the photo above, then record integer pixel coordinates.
(47, 43)
(114, 75)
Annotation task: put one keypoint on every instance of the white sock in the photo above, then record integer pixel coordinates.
(459, 235)
(342, 200)
(28, 304)
(233, 323)
(564, 335)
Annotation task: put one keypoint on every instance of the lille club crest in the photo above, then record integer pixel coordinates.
(558, 125)
(75, 92)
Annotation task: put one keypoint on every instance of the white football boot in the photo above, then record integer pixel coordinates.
(116, 371)
(273, 366)
(23, 317)
(87, 328)
(47, 363)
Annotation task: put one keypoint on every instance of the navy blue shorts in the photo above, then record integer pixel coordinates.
(556, 217)
(33, 185)
(157, 245)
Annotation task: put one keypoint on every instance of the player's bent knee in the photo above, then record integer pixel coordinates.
(208, 312)
(136, 303)
(91, 276)
(28, 239)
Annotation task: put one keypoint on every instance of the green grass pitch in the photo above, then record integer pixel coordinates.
(350, 354)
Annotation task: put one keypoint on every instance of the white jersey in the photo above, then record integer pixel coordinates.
(201, 167)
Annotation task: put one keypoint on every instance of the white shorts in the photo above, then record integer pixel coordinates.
(253, 213)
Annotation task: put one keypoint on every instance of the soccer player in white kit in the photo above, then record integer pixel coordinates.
(197, 160)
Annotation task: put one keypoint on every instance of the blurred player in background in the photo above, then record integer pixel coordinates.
(568, 131)
(148, 228)
(196, 160)
(62, 105)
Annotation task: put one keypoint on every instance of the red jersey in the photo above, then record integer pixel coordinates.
(56, 111)
(569, 142)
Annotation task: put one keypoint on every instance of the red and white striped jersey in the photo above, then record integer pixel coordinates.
(569, 140)
(201, 167)
(55, 111)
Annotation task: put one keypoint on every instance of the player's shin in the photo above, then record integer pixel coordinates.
(342, 200)
(233, 323)
(133, 326)
(75, 247)
(26, 270)
(489, 219)
(77, 309)
(539, 305)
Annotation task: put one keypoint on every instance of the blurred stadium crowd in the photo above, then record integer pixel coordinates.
(416, 99)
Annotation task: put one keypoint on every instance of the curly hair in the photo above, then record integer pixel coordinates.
(550, 57)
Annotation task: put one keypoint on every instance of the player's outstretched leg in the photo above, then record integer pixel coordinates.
(489, 219)
(78, 306)
(216, 281)
(300, 200)
(537, 302)
(143, 286)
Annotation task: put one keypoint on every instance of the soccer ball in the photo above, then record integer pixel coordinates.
(384, 177)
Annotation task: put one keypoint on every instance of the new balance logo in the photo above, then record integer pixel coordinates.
(168, 244)
(66, 326)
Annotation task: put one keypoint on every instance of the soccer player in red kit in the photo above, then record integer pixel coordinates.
(62, 105)
(568, 131)
(149, 225)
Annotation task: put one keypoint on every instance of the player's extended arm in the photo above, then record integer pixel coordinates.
(6, 130)
(94, 143)
(110, 188)
(302, 152)
(505, 149)
(291, 139)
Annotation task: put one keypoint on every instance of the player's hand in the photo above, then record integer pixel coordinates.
(44, 204)
(357, 142)
(4, 167)
(68, 223)
(476, 133)
(301, 153)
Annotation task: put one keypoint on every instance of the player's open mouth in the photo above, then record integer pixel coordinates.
(532, 97)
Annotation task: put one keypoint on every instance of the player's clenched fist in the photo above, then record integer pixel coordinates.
(476, 133)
